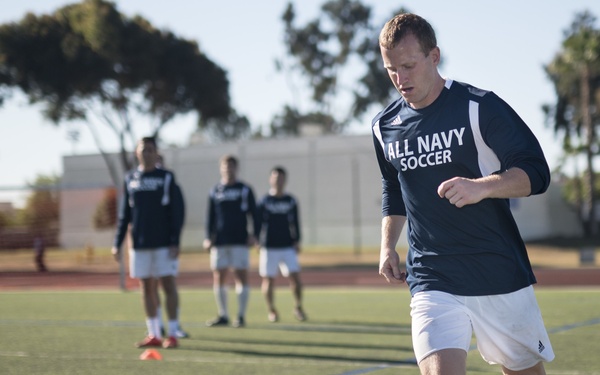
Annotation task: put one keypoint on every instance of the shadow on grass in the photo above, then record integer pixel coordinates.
(344, 327)
(312, 344)
(304, 356)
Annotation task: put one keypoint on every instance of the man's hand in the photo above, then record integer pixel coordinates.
(389, 267)
(174, 251)
(461, 191)
(116, 252)
(252, 241)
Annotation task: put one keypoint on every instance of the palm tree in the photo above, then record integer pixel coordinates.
(575, 73)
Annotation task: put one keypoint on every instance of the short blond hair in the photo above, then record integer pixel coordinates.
(405, 24)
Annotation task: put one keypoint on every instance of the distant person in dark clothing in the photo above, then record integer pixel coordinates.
(151, 205)
(39, 249)
(230, 204)
(279, 238)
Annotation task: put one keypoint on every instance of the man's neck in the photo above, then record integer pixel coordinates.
(225, 181)
(146, 168)
(275, 192)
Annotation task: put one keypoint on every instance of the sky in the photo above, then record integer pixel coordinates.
(495, 45)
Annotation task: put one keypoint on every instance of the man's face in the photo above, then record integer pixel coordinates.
(146, 153)
(277, 180)
(412, 73)
(228, 170)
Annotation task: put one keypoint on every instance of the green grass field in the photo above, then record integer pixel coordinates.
(350, 331)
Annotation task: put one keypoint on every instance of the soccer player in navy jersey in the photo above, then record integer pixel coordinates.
(231, 204)
(279, 238)
(179, 333)
(451, 155)
(151, 207)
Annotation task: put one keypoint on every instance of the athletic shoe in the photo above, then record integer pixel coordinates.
(273, 316)
(218, 321)
(170, 343)
(162, 332)
(239, 323)
(299, 314)
(181, 334)
(149, 341)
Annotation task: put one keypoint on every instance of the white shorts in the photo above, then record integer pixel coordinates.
(147, 263)
(508, 327)
(285, 259)
(229, 256)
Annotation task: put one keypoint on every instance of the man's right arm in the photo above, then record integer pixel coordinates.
(389, 261)
(210, 224)
(122, 223)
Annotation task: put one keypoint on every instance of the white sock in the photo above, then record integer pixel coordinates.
(155, 323)
(221, 298)
(159, 316)
(173, 327)
(243, 293)
(149, 327)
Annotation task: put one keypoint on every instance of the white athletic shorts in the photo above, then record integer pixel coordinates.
(284, 259)
(229, 256)
(508, 327)
(147, 263)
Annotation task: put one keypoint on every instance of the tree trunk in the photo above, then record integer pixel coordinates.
(587, 124)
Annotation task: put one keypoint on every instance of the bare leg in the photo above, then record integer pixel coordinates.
(149, 287)
(169, 285)
(242, 290)
(446, 362)
(296, 286)
(267, 290)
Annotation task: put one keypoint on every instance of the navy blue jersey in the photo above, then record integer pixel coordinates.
(278, 225)
(465, 132)
(229, 207)
(153, 204)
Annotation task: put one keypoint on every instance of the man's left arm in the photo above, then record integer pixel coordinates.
(460, 191)
(177, 207)
(253, 213)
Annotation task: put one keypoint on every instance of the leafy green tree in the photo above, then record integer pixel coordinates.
(232, 127)
(322, 51)
(575, 73)
(87, 61)
(290, 121)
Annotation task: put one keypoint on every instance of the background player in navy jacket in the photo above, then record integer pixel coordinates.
(279, 237)
(230, 204)
(179, 333)
(151, 206)
(450, 156)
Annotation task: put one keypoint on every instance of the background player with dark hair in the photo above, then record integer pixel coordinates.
(179, 333)
(230, 204)
(450, 156)
(151, 205)
(279, 237)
